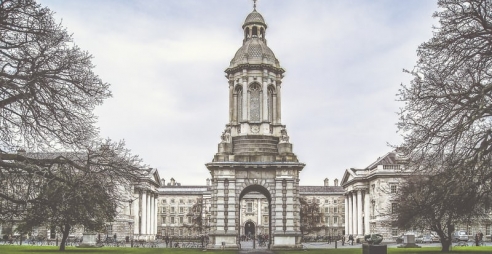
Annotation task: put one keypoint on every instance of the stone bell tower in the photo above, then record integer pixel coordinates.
(255, 154)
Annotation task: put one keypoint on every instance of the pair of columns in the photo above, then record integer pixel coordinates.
(357, 213)
(243, 101)
(146, 208)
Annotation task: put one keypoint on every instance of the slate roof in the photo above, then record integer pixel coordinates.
(185, 190)
(321, 190)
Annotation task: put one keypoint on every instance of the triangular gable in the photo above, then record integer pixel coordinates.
(155, 176)
(348, 176)
(384, 160)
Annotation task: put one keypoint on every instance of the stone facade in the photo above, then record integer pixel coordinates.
(370, 196)
(176, 200)
(255, 154)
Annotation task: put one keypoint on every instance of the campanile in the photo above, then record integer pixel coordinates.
(255, 153)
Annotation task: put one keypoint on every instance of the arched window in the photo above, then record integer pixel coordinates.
(246, 32)
(271, 91)
(254, 102)
(239, 103)
(255, 31)
(262, 32)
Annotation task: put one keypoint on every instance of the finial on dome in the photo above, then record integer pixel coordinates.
(254, 5)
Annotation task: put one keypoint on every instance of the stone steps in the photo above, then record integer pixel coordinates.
(255, 145)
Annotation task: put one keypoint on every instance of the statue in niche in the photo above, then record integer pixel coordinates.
(284, 138)
(226, 135)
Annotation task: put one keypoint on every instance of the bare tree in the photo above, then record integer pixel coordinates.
(446, 121)
(48, 92)
(448, 103)
(47, 86)
(69, 189)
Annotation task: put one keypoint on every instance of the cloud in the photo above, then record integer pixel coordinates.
(166, 60)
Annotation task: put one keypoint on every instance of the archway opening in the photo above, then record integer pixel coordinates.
(255, 218)
(249, 229)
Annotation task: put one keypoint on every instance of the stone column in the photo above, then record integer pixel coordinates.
(245, 96)
(359, 213)
(156, 204)
(279, 100)
(259, 211)
(350, 217)
(144, 212)
(151, 213)
(354, 213)
(346, 214)
(149, 210)
(265, 96)
(367, 215)
(234, 111)
(231, 99)
(136, 211)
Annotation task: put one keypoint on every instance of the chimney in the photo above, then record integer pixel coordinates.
(173, 182)
(326, 182)
(336, 181)
(208, 181)
(163, 182)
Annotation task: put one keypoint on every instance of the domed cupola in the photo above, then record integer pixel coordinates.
(254, 50)
(255, 18)
(255, 84)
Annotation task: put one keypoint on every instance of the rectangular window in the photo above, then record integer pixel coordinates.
(172, 230)
(334, 201)
(164, 209)
(335, 209)
(317, 200)
(173, 209)
(163, 219)
(327, 210)
(326, 201)
(181, 220)
(172, 220)
(249, 208)
(335, 220)
(164, 201)
(394, 207)
(394, 231)
(487, 229)
(265, 219)
(172, 201)
(180, 231)
(189, 220)
(181, 210)
(393, 188)
(327, 220)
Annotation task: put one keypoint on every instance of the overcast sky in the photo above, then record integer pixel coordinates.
(165, 61)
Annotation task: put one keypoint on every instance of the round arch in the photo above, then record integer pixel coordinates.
(249, 225)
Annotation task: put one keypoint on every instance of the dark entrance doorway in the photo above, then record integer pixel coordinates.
(249, 229)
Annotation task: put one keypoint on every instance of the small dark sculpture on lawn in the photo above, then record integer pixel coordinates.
(373, 239)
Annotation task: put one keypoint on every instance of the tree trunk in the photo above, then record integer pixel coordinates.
(445, 246)
(65, 230)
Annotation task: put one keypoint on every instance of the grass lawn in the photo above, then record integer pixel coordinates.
(8, 249)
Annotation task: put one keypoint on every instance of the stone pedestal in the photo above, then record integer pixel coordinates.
(284, 148)
(374, 249)
(409, 242)
(225, 148)
(88, 240)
